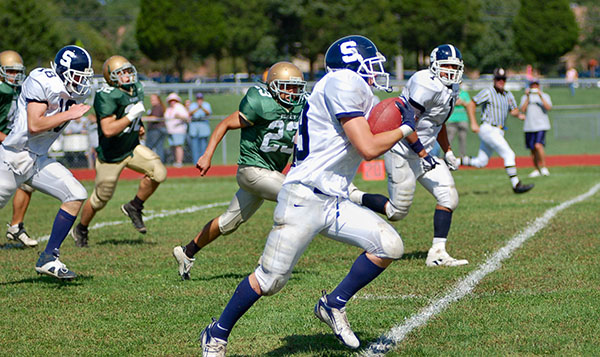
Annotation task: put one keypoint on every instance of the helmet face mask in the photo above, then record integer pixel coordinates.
(446, 63)
(360, 55)
(73, 65)
(119, 72)
(286, 82)
(12, 70)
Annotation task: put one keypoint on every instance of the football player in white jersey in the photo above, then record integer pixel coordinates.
(49, 99)
(333, 138)
(432, 93)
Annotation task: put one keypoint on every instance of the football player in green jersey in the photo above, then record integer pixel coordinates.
(12, 75)
(268, 119)
(119, 106)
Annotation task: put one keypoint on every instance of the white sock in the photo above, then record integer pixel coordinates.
(439, 243)
(514, 181)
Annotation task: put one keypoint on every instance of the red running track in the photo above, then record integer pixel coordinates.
(230, 170)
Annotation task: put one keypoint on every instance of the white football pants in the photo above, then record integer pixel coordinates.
(40, 172)
(301, 214)
(492, 139)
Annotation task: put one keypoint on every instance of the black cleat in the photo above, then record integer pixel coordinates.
(520, 188)
(80, 236)
(135, 215)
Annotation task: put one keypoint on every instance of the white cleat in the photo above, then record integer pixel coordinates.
(439, 257)
(185, 263)
(212, 346)
(534, 173)
(544, 171)
(337, 320)
(20, 234)
(49, 264)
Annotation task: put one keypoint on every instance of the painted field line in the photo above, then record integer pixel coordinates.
(394, 336)
(161, 214)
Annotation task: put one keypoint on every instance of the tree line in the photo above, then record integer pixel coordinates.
(172, 36)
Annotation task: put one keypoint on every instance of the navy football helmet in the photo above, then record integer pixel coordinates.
(446, 63)
(73, 65)
(360, 55)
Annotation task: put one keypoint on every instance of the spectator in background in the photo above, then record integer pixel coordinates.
(156, 131)
(536, 104)
(458, 123)
(176, 119)
(92, 132)
(571, 77)
(199, 129)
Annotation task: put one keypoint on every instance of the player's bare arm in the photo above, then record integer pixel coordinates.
(2, 136)
(442, 139)
(112, 126)
(472, 118)
(232, 122)
(369, 146)
(37, 122)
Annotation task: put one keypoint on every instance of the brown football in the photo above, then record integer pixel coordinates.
(385, 116)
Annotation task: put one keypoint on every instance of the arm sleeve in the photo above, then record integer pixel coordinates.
(512, 102)
(343, 99)
(104, 105)
(34, 92)
(250, 106)
(482, 97)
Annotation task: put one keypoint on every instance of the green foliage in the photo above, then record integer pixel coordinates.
(37, 38)
(425, 24)
(496, 46)
(247, 30)
(544, 33)
(180, 29)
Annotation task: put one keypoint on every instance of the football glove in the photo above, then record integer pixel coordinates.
(428, 163)
(136, 111)
(452, 161)
(408, 117)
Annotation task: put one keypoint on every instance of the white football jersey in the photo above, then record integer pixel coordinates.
(325, 159)
(433, 103)
(43, 86)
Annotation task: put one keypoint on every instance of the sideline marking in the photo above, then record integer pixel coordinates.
(396, 334)
(161, 214)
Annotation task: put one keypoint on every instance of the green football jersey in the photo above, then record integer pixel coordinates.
(113, 101)
(8, 98)
(269, 141)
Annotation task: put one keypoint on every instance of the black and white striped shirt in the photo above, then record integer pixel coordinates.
(495, 106)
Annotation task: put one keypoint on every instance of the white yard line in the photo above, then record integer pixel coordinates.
(161, 214)
(393, 337)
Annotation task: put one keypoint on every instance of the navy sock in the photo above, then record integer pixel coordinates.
(375, 202)
(243, 298)
(137, 203)
(191, 249)
(441, 223)
(363, 271)
(62, 225)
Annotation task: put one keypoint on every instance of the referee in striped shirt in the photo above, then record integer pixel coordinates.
(496, 103)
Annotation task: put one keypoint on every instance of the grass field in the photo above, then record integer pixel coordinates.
(576, 135)
(129, 300)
